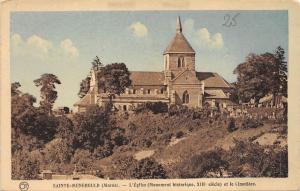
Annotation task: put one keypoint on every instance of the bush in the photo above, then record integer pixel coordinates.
(166, 137)
(178, 110)
(121, 165)
(199, 166)
(147, 168)
(231, 125)
(24, 167)
(179, 134)
(251, 123)
(248, 159)
(103, 151)
(155, 107)
(84, 160)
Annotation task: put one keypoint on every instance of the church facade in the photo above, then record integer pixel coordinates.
(178, 84)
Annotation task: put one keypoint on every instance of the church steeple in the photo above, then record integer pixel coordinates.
(178, 25)
(179, 54)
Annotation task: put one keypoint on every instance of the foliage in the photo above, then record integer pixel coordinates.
(24, 167)
(114, 78)
(65, 128)
(84, 87)
(156, 107)
(48, 93)
(262, 74)
(280, 77)
(198, 166)
(14, 89)
(83, 159)
(97, 64)
(253, 160)
(147, 168)
(177, 110)
(104, 150)
(58, 151)
(251, 123)
(121, 166)
(255, 76)
(179, 134)
(231, 125)
(30, 124)
(90, 128)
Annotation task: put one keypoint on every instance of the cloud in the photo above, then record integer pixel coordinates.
(203, 37)
(36, 47)
(215, 41)
(69, 48)
(39, 43)
(138, 29)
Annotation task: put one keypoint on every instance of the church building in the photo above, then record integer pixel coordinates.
(179, 83)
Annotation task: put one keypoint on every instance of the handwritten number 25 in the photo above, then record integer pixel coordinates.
(230, 21)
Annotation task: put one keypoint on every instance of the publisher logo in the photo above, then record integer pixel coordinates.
(23, 186)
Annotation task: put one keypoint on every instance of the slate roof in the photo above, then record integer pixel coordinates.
(215, 94)
(179, 44)
(86, 100)
(212, 80)
(147, 78)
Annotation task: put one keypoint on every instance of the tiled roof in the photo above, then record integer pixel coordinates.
(179, 44)
(215, 94)
(147, 78)
(212, 80)
(86, 100)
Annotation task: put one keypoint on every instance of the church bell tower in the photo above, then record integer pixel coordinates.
(179, 55)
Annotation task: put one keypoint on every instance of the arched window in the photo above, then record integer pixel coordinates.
(161, 90)
(180, 62)
(185, 97)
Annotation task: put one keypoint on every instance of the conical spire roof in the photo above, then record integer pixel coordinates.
(179, 44)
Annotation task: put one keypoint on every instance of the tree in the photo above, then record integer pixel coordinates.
(48, 93)
(84, 87)
(85, 83)
(255, 76)
(114, 79)
(91, 128)
(97, 64)
(280, 77)
(24, 167)
(262, 74)
(198, 166)
(147, 168)
(15, 88)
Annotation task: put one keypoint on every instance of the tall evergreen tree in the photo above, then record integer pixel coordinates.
(48, 93)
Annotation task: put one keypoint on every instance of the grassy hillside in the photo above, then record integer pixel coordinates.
(171, 140)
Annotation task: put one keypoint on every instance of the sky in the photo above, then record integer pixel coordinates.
(65, 43)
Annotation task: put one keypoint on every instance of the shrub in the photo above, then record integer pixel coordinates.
(178, 110)
(104, 151)
(251, 123)
(231, 125)
(147, 168)
(179, 134)
(198, 166)
(248, 159)
(155, 107)
(83, 159)
(166, 137)
(121, 166)
(24, 167)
